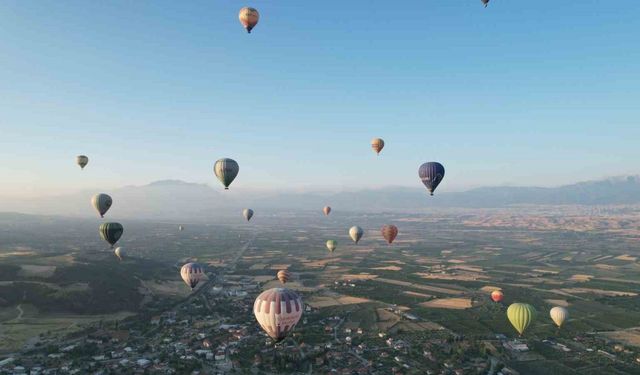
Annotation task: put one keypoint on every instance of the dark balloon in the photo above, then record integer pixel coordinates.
(111, 232)
(485, 2)
(431, 175)
(389, 232)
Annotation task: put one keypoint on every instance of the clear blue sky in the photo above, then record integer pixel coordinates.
(523, 92)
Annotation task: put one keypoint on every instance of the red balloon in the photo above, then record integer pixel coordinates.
(497, 296)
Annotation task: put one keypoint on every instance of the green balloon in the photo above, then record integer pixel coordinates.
(111, 232)
(521, 315)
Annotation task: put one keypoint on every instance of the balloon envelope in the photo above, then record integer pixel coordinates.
(180, 228)
(247, 213)
(559, 315)
(431, 174)
(101, 202)
(82, 161)
(278, 310)
(356, 233)
(332, 245)
(497, 296)
(377, 144)
(284, 276)
(249, 18)
(485, 2)
(192, 273)
(326, 210)
(521, 315)
(226, 170)
(389, 232)
(120, 253)
(111, 232)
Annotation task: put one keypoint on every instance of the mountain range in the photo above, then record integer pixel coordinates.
(179, 200)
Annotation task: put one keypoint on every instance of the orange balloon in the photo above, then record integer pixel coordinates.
(284, 276)
(249, 18)
(497, 296)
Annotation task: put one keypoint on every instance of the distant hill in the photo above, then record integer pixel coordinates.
(173, 199)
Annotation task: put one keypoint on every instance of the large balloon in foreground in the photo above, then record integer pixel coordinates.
(497, 296)
(326, 210)
(249, 18)
(377, 144)
(192, 273)
(521, 315)
(485, 2)
(82, 161)
(431, 175)
(278, 310)
(247, 213)
(332, 245)
(559, 315)
(389, 232)
(120, 253)
(284, 276)
(101, 202)
(226, 170)
(111, 232)
(356, 234)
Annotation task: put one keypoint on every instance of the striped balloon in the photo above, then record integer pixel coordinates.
(82, 161)
(431, 175)
(521, 315)
(226, 170)
(485, 2)
(377, 144)
(101, 202)
(192, 273)
(284, 276)
(111, 232)
(278, 310)
(389, 232)
(249, 18)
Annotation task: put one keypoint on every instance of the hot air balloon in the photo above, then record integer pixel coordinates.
(559, 315)
(356, 234)
(497, 296)
(389, 232)
(82, 161)
(284, 276)
(326, 210)
(278, 310)
(192, 273)
(485, 2)
(431, 175)
(332, 245)
(101, 202)
(249, 18)
(226, 170)
(111, 232)
(247, 213)
(120, 253)
(180, 228)
(521, 315)
(377, 144)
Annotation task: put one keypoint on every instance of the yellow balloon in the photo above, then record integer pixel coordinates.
(559, 315)
(521, 315)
